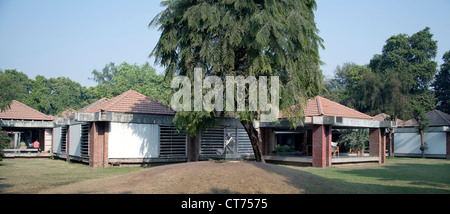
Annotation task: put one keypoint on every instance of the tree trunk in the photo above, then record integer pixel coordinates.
(255, 139)
(422, 143)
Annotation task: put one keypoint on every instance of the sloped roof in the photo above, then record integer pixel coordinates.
(20, 111)
(320, 106)
(437, 118)
(94, 104)
(383, 116)
(130, 102)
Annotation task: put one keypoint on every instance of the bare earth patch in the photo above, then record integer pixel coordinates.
(197, 177)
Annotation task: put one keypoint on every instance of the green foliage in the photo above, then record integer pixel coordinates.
(114, 80)
(394, 82)
(13, 86)
(53, 96)
(354, 139)
(231, 38)
(284, 148)
(442, 85)
(4, 142)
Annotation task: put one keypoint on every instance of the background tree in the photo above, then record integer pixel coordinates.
(231, 37)
(442, 85)
(114, 80)
(395, 81)
(53, 96)
(13, 86)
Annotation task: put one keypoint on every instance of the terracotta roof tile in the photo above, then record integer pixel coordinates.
(131, 102)
(383, 116)
(20, 111)
(319, 106)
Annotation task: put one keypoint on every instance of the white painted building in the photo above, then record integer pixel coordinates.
(437, 137)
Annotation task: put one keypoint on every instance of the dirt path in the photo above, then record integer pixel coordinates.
(199, 177)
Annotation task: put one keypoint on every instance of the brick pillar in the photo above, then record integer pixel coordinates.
(321, 143)
(377, 144)
(98, 145)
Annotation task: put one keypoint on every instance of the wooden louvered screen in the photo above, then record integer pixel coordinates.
(211, 141)
(172, 144)
(243, 142)
(63, 140)
(85, 141)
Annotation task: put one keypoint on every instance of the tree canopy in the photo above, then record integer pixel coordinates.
(248, 38)
(442, 85)
(394, 82)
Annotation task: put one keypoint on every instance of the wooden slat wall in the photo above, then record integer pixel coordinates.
(85, 141)
(172, 144)
(211, 141)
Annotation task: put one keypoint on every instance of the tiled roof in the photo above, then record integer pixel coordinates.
(94, 104)
(20, 111)
(131, 102)
(319, 106)
(383, 116)
(437, 118)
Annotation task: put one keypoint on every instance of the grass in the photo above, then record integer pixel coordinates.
(398, 175)
(34, 175)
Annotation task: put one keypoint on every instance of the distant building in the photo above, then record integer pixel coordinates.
(27, 125)
(437, 137)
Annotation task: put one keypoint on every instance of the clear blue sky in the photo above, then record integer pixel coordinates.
(71, 38)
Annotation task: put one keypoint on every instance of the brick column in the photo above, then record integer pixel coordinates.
(377, 144)
(321, 143)
(98, 145)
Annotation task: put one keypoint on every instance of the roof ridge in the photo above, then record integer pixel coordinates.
(110, 103)
(32, 109)
(343, 107)
(442, 116)
(319, 105)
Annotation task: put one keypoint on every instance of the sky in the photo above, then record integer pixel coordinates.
(72, 38)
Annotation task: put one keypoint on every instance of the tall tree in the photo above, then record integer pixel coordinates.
(395, 81)
(442, 85)
(114, 80)
(53, 96)
(13, 86)
(233, 37)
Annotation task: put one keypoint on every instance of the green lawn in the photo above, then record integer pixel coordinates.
(34, 175)
(398, 175)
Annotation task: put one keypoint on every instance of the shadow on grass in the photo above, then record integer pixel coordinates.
(388, 179)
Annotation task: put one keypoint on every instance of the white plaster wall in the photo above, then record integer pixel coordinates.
(48, 140)
(409, 143)
(131, 140)
(57, 140)
(75, 140)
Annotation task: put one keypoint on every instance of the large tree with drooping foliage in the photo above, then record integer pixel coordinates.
(235, 37)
